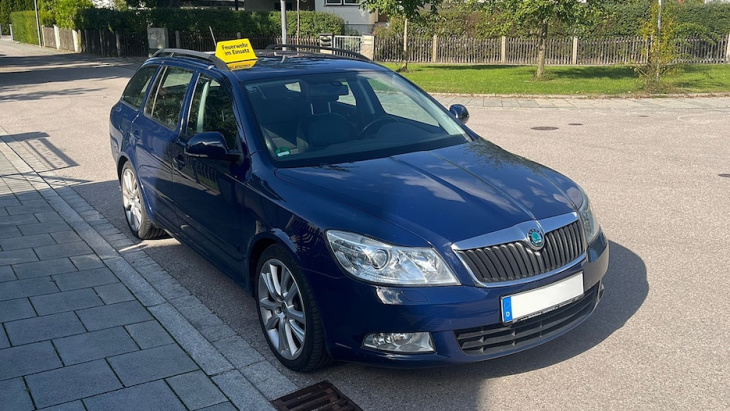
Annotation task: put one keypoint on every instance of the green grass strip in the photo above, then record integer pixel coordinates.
(561, 80)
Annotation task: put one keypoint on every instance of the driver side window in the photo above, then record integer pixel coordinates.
(212, 110)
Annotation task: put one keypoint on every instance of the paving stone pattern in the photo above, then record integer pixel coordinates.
(84, 326)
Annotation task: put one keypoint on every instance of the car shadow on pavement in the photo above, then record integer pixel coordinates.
(626, 290)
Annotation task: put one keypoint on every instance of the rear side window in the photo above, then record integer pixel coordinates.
(138, 85)
(166, 104)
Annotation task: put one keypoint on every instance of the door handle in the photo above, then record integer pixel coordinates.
(180, 162)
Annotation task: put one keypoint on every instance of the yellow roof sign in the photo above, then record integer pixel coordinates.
(233, 51)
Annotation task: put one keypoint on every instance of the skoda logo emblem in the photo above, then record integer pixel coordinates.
(536, 238)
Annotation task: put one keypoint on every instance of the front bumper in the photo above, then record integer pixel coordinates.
(464, 321)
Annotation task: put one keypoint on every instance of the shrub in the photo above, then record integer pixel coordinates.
(25, 29)
(249, 24)
(67, 10)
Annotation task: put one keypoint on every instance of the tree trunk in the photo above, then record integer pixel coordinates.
(404, 65)
(541, 45)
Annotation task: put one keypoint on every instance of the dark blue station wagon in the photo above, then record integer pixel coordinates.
(369, 223)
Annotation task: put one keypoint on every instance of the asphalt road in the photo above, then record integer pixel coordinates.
(658, 180)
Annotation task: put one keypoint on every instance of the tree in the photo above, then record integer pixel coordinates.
(407, 9)
(664, 35)
(67, 10)
(537, 14)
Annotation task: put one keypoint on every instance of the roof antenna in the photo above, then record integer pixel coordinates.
(215, 43)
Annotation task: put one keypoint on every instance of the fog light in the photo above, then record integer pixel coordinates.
(400, 342)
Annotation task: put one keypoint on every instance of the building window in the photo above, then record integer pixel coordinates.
(289, 6)
(341, 2)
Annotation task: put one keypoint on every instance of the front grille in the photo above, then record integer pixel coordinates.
(498, 338)
(514, 261)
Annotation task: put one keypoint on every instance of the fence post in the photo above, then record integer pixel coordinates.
(727, 50)
(575, 51)
(367, 46)
(177, 39)
(57, 34)
(503, 50)
(101, 43)
(76, 40)
(119, 44)
(434, 48)
(238, 34)
(11, 32)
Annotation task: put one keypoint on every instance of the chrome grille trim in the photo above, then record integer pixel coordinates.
(515, 262)
(517, 232)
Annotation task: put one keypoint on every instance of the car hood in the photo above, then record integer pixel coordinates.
(444, 195)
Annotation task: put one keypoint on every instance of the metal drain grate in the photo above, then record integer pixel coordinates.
(318, 397)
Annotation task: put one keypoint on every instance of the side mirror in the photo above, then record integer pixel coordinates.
(209, 144)
(460, 112)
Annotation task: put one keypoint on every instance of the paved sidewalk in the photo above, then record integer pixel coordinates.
(678, 102)
(87, 327)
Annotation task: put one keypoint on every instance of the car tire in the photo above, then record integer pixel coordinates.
(134, 207)
(288, 315)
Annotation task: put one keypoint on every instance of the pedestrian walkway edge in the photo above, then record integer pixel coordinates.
(214, 346)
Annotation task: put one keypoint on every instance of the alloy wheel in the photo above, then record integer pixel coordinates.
(282, 310)
(131, 199)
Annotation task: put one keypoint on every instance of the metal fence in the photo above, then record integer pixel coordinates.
(611, 50)
(350, 43)
(203, 42)
(696, 50)
(559, 51)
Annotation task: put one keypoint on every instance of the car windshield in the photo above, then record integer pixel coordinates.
(343, 117)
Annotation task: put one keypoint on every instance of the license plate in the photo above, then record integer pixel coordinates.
(541, 300)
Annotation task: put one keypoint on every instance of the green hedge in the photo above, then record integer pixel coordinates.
(25, 29)
(67, 11)
(197, 21)
(618, 19)
(714, 16)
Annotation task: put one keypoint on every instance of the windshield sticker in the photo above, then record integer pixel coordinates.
(282, 152)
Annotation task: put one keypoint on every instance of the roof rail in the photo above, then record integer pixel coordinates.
(306, 46)
(211, 58)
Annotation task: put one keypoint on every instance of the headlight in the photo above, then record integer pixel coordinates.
(375, 261)
(590, 225)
